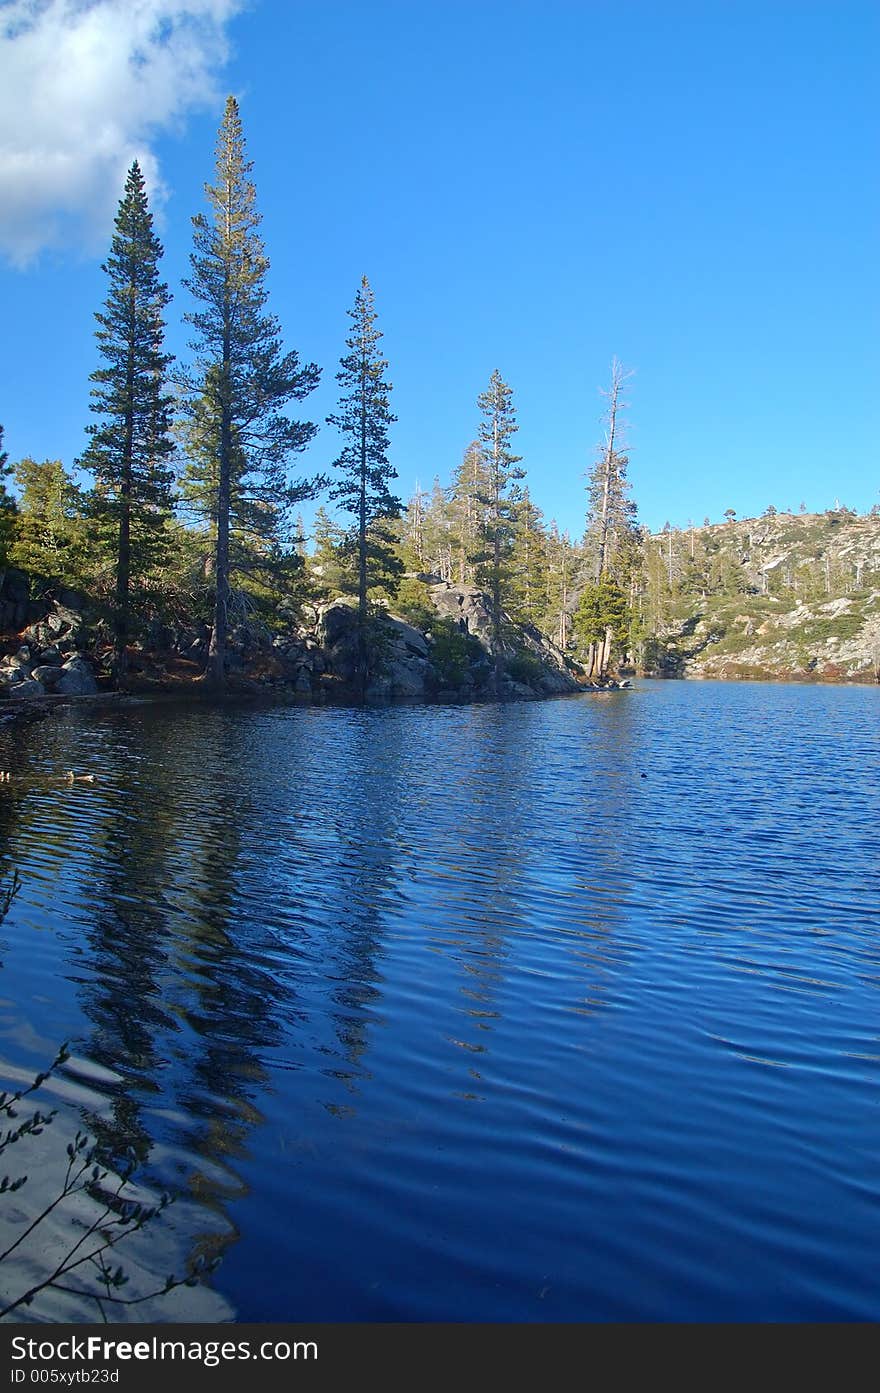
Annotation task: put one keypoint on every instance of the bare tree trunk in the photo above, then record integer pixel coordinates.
(496, 568)
(605, 658)
(362, 655)
(617, 379)
(217, 649)
(563, 616)
(123, 572)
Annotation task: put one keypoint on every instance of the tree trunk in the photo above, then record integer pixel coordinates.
(123, 560)
(123, 572)
(496, 613)
(605, 657)
(217, 650)
(496, 563)
(362, 655)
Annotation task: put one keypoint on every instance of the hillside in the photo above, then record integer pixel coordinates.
(791, 596)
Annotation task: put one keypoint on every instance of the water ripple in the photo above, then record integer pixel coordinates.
(563, 1011)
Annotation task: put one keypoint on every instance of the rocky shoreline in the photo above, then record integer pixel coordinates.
(55, 649)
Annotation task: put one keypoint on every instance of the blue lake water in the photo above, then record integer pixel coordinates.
(558, 1011)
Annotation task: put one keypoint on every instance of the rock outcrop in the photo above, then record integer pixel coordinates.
(44, 655)
(451, 659)
(448, 656)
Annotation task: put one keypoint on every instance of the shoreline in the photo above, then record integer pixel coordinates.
(28, 709)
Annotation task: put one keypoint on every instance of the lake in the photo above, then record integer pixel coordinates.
(558, 1011)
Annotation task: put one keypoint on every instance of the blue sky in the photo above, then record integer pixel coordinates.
(536, 187)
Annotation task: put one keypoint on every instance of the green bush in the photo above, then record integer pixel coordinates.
(525, 668)
(413, 603)
(451, 651)
(840, 626)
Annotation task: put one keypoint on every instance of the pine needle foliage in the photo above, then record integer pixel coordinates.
(363, 419)
(240, 439)
(130, 446)
(499, 503)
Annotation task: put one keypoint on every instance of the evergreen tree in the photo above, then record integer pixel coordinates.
(128, 448)
(436, 532)
(562, 565)
(239, 439)
(414, 530)
(48, 525)
(600, 606)
(611, 536)
(7, 505)
(530, 578)
(333, 563)
(363, 419)
(466, 511)
(502, 494)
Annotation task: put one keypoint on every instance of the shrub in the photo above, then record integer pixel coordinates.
(413, 603)
(451, 652)
(525, 668)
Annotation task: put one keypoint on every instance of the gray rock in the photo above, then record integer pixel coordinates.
(404, 635)
(63, 620)
(77, 679)
(48, 674)
(378, 691)
(29, 688)
(336, 623)
(407, 678)
(519, 691)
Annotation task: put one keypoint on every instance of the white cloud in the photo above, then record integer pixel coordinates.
(85, 85)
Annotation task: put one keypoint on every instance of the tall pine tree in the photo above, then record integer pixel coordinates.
(129, 447)
(240, 383)
(611, 539)
(498, 525)
(7, 504)
(363, 419)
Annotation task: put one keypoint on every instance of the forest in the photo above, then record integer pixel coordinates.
(192, 516)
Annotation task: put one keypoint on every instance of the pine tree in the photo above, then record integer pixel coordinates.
(414, 529)
(363, 419)
(48, 525)
(332, 563)
(611, 535)
(499, 501)
(466, 511)
(530, 561)
(128, 448)
(610, 511)
(562, 563)
(7, 505)
(436, 532)
(239, 438)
